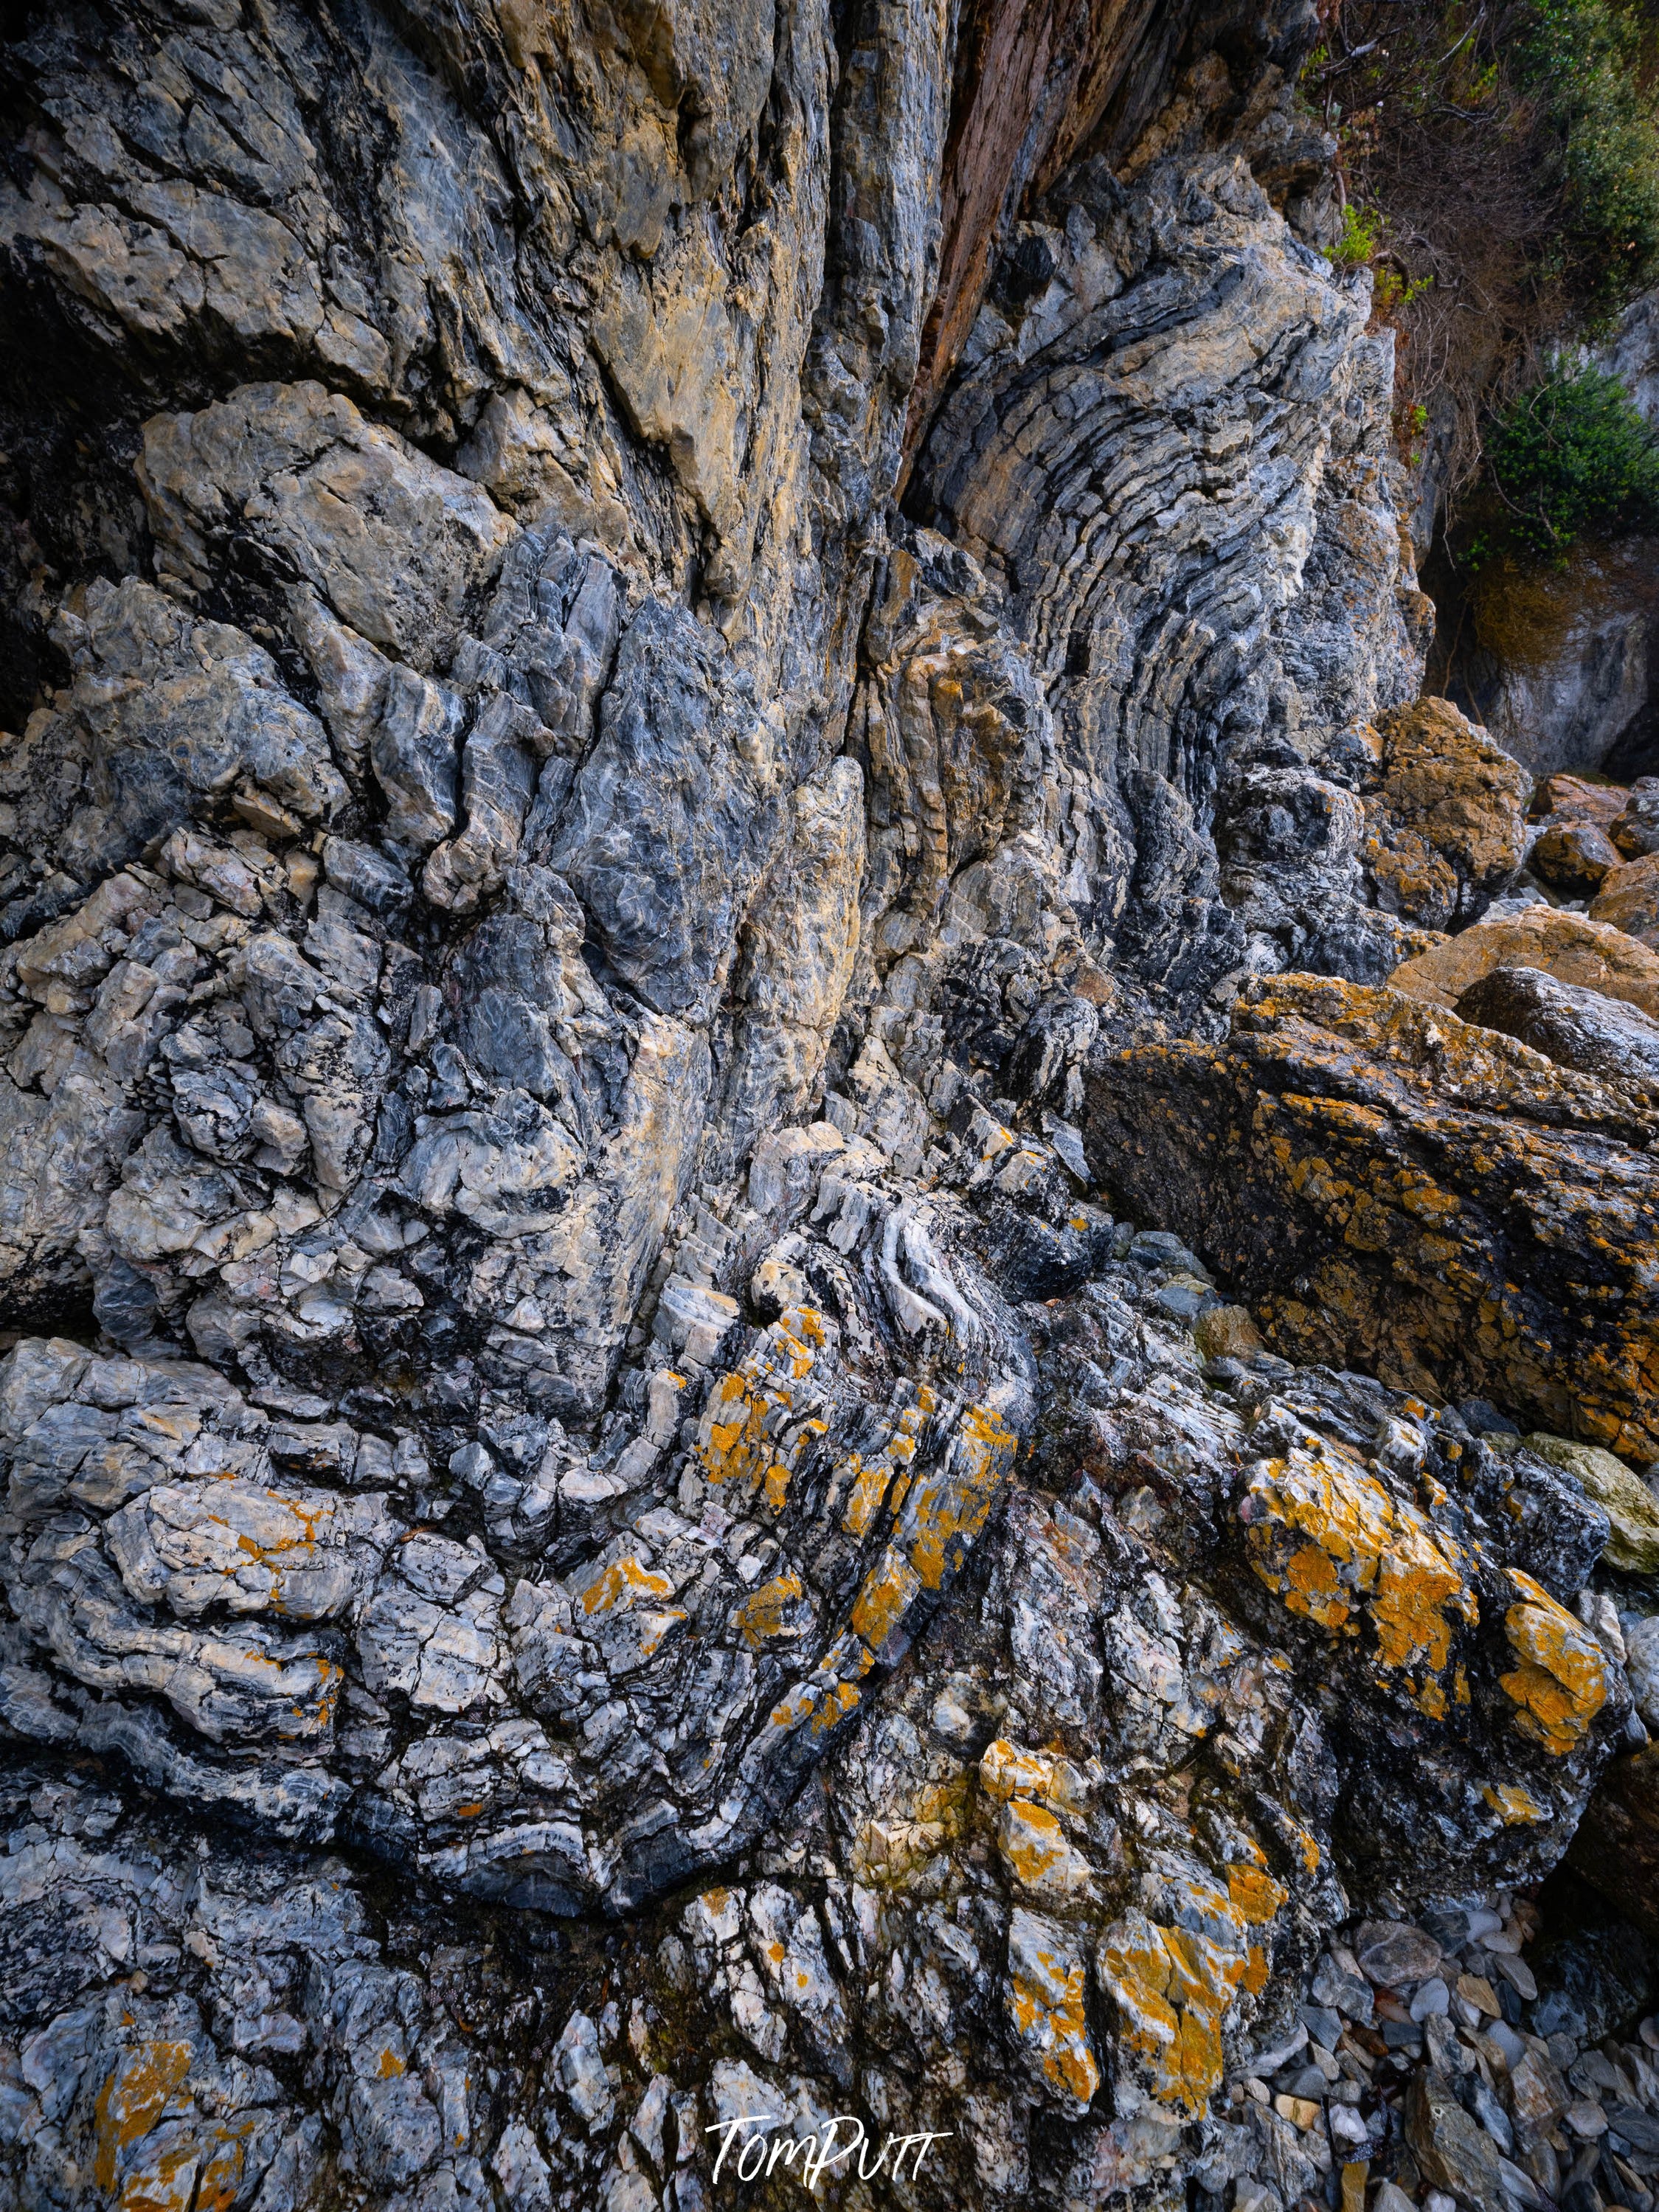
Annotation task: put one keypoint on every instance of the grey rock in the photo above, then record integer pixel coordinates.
(1574, 1027)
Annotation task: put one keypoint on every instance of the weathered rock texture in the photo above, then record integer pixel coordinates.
(678, 681)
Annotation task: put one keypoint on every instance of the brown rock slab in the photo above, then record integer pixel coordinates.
(1629, 898)
(1573, 858)
(1569, 945)
(1395, 1190)
(1448, 825)
(1537, 2093)
(1577, 798)
(1453, 2153)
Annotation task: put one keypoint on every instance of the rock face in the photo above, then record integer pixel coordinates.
(681, 687)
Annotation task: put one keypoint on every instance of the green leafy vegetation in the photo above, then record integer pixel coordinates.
(1568, 459)
(1361, 237)
(1499, 165)
(1586, 58)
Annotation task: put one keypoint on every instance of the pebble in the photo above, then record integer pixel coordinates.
(1432, 1996)
(1393, 1952)
(1309, 2081)
(1348, 2126)
(1586, 2120)
(1517, 1973)
(1302, 2112)
(1519, 2185)
(1475, 1990)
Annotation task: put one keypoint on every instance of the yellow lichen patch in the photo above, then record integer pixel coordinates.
(1514, 1803)
(1561, 1681)
(1007, 1769)
(813, 1703)
(885, 1851)
(165, 2180)
(1046, 2001)
(882, 1602)
(834, 1705)
(870, 1478)
(1327, 1536)
(391, 2066)
(1172, 1988)
(946, 1507)
(749, 1408)
(1038, 1853)
(220, 2180)
(1253, 1894)
(622, 1582)
(765, 1615)
(134, 2098)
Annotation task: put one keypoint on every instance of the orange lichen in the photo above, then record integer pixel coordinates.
(748, 1409)
(884, 1597)
(870, 1478)
(947, 1506)
(1046, 1997)
(1367, 1556)
(1172, 1988)
(1561, 1682)
(1254, 1894)
(133, 2099)
(1514, 1803)
(1007, 1770)
(1038, 1852)
(763, 1616)
(622, 1581)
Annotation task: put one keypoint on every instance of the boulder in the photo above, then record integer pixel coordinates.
(1566, 946)
(1577, 798)
(1394, 1189)
(1632, 1509)
(1636, 831)
(1573, 1027)
(1573, 857)
(1447, 828)
(1629, 898)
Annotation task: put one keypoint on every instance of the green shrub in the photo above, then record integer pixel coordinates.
(1585, 58)
(1362, 235)
(1569, 458)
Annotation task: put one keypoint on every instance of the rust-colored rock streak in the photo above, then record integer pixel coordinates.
(1034, 79)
